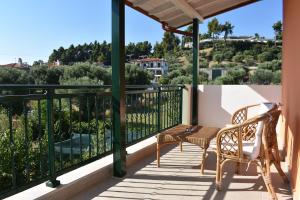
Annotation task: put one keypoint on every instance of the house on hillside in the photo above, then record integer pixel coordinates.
(158, 66)
(19, 65)
(252, 39)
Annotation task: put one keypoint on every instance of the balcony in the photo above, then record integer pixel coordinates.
(64, 133)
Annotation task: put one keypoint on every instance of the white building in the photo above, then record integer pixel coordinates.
(157, 66)
(214, 73)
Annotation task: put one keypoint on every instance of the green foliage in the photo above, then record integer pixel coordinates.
(203, 63)
(203, 77)
(237, 74)
(134, 75)
(13, 76)
(134, 51)
(170, 43)
(214, 28)
(238, 58)
(218, 57)
(224, 80)
(227, 28)
(182, 80)
(276, 77)
(158, 50)
(249, 60)
(261, 77)
(274, 65)
(265, 56)
(277, 27)
(228, 54)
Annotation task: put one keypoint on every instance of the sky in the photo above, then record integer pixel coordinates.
(31, 29)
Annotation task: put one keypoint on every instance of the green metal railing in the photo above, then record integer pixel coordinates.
(46, 131)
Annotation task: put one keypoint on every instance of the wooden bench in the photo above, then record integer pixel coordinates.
(198, 135)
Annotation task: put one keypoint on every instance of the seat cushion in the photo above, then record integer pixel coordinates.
(253, 150)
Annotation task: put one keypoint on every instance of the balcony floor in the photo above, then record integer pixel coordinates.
(179, 178)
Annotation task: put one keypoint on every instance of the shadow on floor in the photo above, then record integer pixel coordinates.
(179, 178)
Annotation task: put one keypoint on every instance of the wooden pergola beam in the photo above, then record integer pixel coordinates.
(188, 9)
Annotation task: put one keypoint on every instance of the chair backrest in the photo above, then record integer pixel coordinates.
(254, 131)
(269, 133)
(241, 114)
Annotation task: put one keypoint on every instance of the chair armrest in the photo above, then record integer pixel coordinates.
(229, 141)
(240, 115)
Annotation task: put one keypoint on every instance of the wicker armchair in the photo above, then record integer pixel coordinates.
(231, 146)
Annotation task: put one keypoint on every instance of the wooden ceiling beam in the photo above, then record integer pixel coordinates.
(187, 9)
(140, 2)
(161, 8)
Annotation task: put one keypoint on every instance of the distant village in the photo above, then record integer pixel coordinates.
(159, 66)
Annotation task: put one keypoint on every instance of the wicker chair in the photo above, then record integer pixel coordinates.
(231, 141)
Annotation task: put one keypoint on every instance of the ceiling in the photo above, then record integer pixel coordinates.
(178, 13)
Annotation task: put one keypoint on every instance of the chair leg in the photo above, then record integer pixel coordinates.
(280, 171)
(267, 177)
(238, 168)
(203, 161)
(218, 174)
(180, 143)
(158, 154)
(276, 161)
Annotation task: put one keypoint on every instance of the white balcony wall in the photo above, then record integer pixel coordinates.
(217, 103)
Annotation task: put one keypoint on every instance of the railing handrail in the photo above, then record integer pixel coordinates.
(53, 86)
(39, 118)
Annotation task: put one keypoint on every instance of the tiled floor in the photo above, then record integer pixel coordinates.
(179, 178)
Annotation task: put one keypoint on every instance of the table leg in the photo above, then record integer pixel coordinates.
(158, 155)
(203, 161)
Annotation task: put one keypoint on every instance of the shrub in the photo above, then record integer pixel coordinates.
(218, 57)
(237, 74)
(249, 60)
(181, 80)
(218, 66)
(228, 55)
(273, 65)
(238, 58)
(224, 80)
(202, 78)
(261, 77)
(276, 77)
(203, 63)
(265, 56)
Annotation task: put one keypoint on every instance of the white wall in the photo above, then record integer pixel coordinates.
(218, 102)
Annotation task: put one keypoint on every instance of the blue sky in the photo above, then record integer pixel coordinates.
(31, 29)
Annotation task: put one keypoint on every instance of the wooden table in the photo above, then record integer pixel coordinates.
(198, 135)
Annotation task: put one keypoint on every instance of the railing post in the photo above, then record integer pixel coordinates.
(118, 87)
(51, 157)
(158, 108)
(180, 105)
(195, 71)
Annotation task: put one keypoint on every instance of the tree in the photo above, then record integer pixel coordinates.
(277, 27)
(187, 39)
(39, 74)
(261, 77)
(218, 57)
(238, 58)
(214, 28)
(265, 56)
(224, 80)
(276, 77)
(170, 43)
(135, 75)
(256, 35)
(227, 28)
(158, 50)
